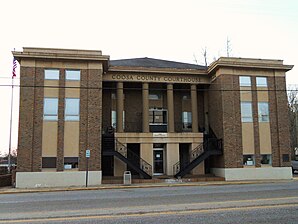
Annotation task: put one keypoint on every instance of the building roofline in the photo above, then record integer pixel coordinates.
(65, 54)
(157, 70)
(248, 63)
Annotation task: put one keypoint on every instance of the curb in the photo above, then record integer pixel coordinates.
(111, 187)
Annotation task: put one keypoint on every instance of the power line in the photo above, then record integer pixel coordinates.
(152, 89)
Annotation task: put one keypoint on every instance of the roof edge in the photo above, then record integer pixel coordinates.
(248, 63)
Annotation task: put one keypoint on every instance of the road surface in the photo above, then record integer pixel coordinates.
(250, 203)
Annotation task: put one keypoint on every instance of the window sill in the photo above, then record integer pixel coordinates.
(48, 170)
(249, 166)
(266, 165)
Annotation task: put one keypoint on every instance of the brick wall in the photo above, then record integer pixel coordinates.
(25, 137)
(215, 115)
(225, 120)
(255, 115)
(90, 118)
(60, 133)
(279, 121)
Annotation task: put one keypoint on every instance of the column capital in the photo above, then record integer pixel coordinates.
(169, 86)
(193, 87)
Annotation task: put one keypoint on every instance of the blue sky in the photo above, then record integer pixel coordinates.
(172, 30)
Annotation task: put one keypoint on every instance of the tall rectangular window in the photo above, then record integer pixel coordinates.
(186, 120)
(114, 119)
(51, 74)
(73, 75)
(72, 109)
(263, 111)
(244, 81)
(261, 81)
(50, 109)
(246, 112)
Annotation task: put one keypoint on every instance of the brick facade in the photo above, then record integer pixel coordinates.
(221, 108)
(279, 121)
(25, 138)
(255, 115)
(61, 107)
(90, 118)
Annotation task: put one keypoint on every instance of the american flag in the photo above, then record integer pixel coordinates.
(14, 66)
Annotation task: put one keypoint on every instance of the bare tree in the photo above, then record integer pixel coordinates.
(293, 116)
(204, 53)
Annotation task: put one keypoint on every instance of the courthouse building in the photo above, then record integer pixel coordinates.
(152, 117)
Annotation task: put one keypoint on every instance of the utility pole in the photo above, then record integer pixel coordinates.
(228, 47)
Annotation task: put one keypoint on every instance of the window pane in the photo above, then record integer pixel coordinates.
(261, 81)
(113, 119)
(151, 116)
(52, 74)
(248, 160)
(49, 162)
(186, 97)
(266, 159)
(73, 75)
(154, 97)
(50, 109)
(246, 112)
(244, 81)
(263, 110)
(72, 109)
(186, 121)
(157, 116)
(186, 117)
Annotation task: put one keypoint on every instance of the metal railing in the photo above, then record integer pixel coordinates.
(195, 153)
(133, 157)
(208, 144)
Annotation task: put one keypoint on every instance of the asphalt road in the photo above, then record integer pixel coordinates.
(251, 203)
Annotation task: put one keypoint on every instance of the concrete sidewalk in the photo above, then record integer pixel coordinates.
(10, 190)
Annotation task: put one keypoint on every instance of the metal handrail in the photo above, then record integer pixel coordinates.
(209, 144)
(195, 153)
(133, 157)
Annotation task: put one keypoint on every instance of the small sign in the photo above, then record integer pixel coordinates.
(87, 153)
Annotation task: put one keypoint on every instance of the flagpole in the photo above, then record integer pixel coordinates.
(14, 66)
(10, 129)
